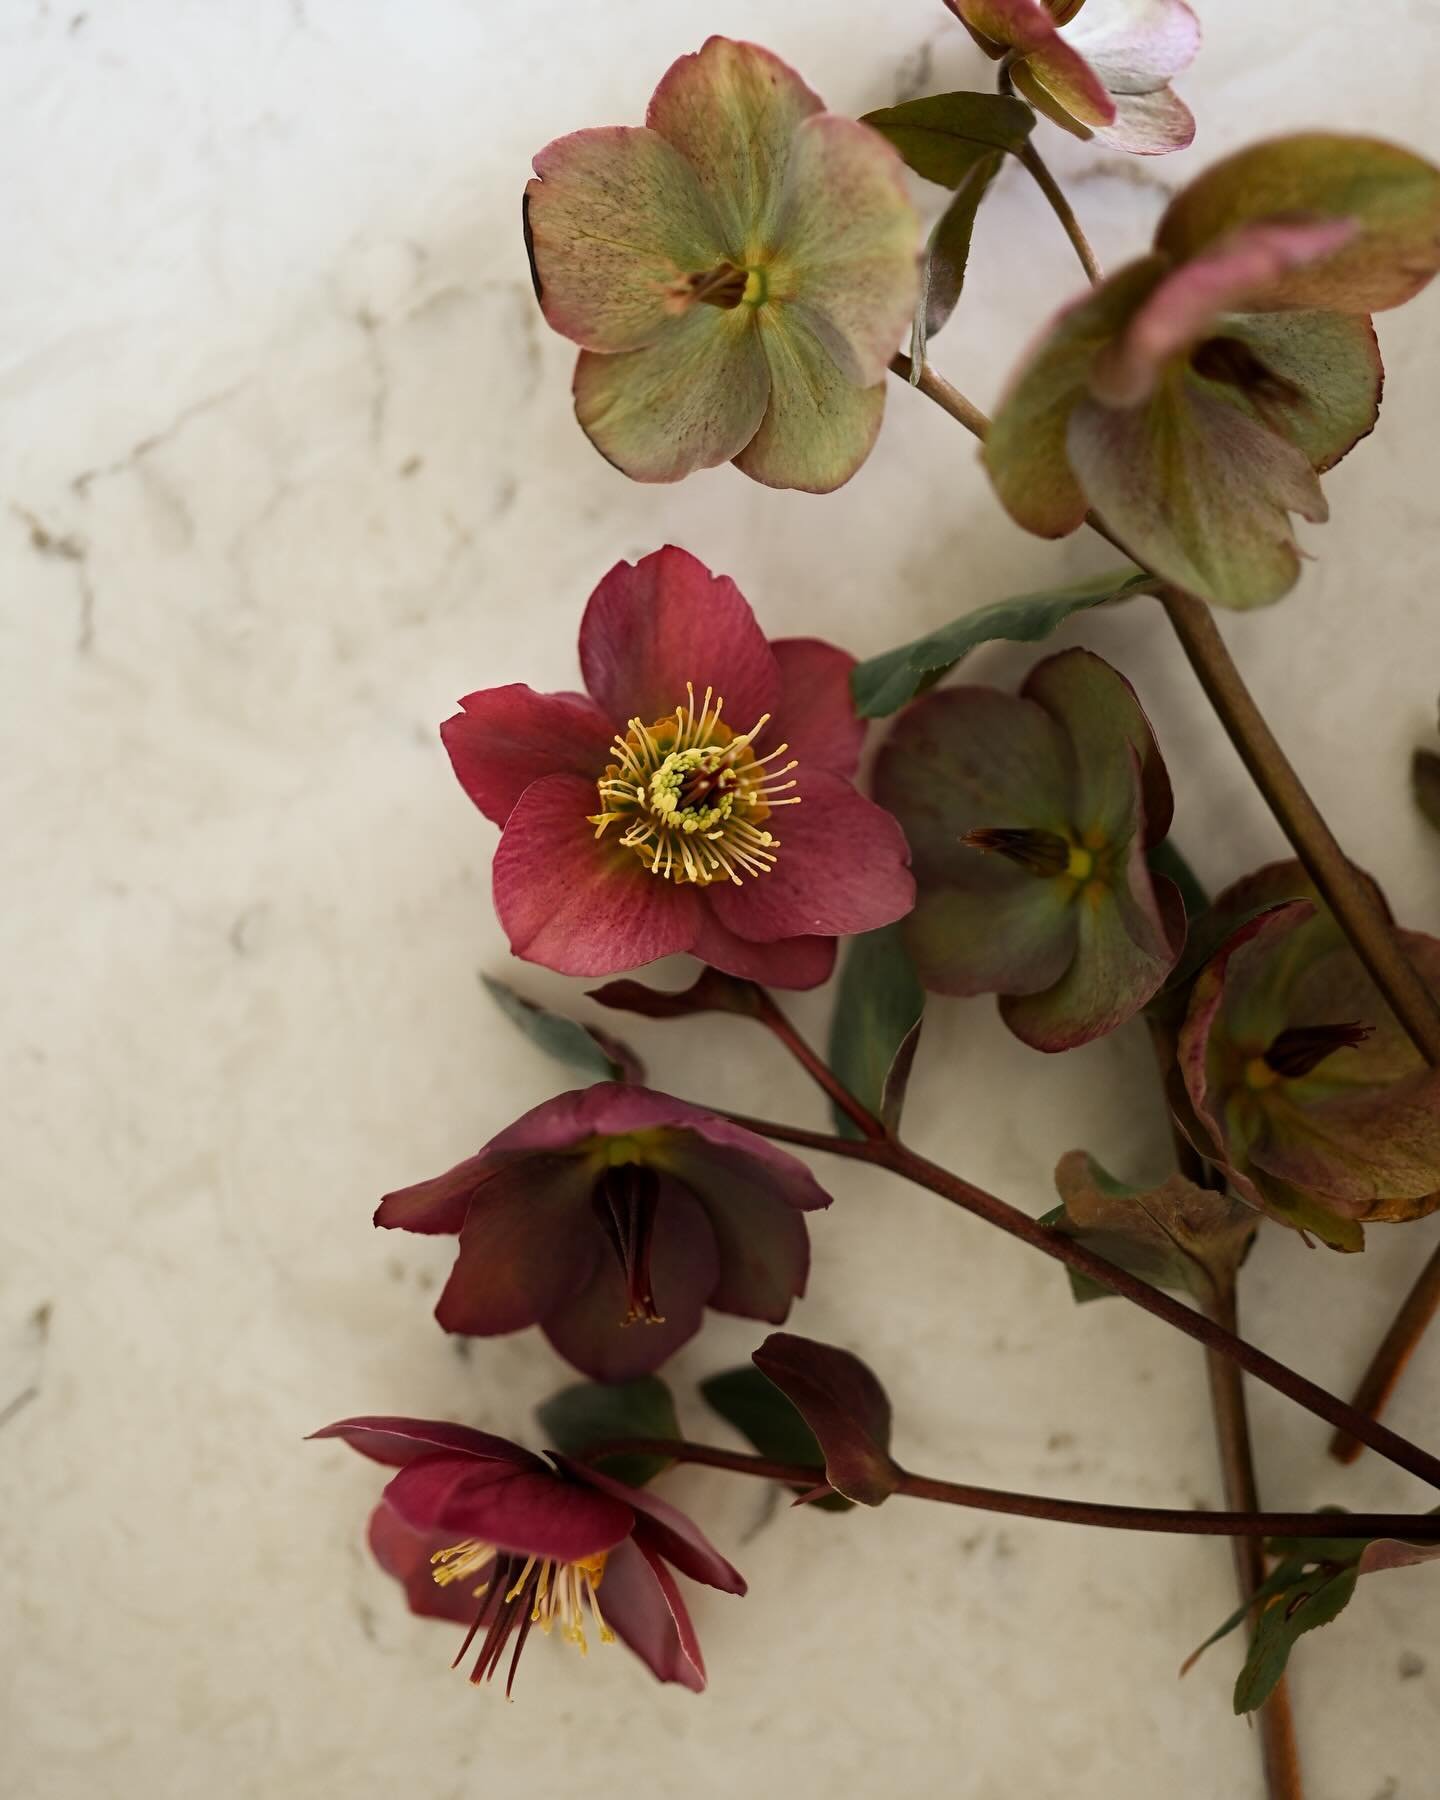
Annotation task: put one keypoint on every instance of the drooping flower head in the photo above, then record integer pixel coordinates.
(1029, 816)
(1104, 73)
(698, 799)
(1194, 398)
(483, 1532)
(737, 272)
(611, 1217)
(1299, 1080)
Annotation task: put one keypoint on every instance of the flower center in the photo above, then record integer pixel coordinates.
(625, 1198)
(693, 797)
(521, 1592)
(1301, 1048)
(1039, 852)
(725, 286)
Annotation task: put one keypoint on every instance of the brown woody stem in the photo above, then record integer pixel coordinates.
(900, 1160)
(1176, 1521)
(819, 1071)
(1064, 212)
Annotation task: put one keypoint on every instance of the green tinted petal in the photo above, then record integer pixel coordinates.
(690, 401)
(848, 241)
(1026, 451)
(1097, 709)
(1004, 932)
(731, 110)
(1329, 363)
(819, 427)
(616, 218)
(1391, 193)
(1197, 489)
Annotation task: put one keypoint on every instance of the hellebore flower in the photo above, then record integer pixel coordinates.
(737, 272)
(1029, 817)
(639, 823)
(611, 1217)
(1194, 398)
(1104, 75)
(482, 1532)
(1298, 1080)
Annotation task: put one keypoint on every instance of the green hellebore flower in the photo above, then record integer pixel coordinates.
(1194, 397)
(737, 272)
(1298, 1079)
(1029, 817)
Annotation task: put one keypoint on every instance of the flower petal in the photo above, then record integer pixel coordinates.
(732, 110)
(405, 1553)
(1029, 27)
(1135, 46)
(848, 259)
(761, 1240)
(966, 757)
(437, 1206)
(1149, 124)
(615, 220)
(640, 1612)
(794, 962)
(662, 1529)
(529, 1243)
(1126, 944)
(842, 868)
(589, 1330)
(399, 1441)
(1198, 490)
(533, 1511)
(999, 931)
(652, 626)
(504, 738)
(1026, 452)
(1098, 710)
(691, 401)
(819, 426)
(1327, 378)
(1374, 1146)
(580, 905)
(816, 712)
(1233, 275)
(1391, 193)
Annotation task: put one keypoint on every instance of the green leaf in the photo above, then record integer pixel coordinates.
(943, 135)
(592, 1412)
(882, 685)
(1314, 1600)
(583, 1047)
(946, 256)
(877, 1007)
(1276, 1582)
(1425, 774)
(765, 1418)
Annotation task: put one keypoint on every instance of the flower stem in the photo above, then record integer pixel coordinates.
(1176, 1521)
(1396, 1348)
(900, 1160)
(1063, 211)
(770, 1015)
(1357, 909)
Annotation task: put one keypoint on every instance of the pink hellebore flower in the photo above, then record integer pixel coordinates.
(737, 273)
(490, 1535)
(1104, 73)
(609, 1207)
(646, 819)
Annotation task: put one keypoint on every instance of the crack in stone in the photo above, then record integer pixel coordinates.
(146, 446)
(67, 547)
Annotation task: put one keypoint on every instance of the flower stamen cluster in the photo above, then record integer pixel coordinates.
(693, 795)
(535, 1590)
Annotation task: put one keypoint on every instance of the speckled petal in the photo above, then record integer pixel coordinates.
(792, 962)
(732, 110)
(615, 220)
(848, 237)
(1135, 46)
(504, 738)
(690, 401)
(819, 426)
(816, 713)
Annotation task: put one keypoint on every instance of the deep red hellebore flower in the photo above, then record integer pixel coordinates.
(698, 799)
(611, 1217)
(483, 1532)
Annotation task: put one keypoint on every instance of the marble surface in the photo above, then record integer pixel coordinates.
(288, 465)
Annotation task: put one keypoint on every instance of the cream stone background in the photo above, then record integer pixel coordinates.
(288, 465)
